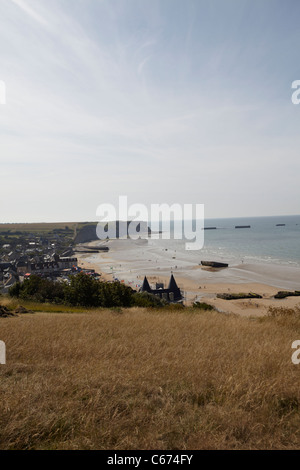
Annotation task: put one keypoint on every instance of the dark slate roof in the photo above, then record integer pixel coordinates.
(172, 284)
(21, 264)
(172, 288)
(146, 287)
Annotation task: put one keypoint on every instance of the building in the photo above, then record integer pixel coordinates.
(67, 263)
(171, 294)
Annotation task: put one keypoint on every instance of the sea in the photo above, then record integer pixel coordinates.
(268, 240)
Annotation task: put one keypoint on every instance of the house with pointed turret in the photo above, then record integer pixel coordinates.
(171, 294)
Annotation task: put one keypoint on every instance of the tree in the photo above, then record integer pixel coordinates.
(83, 290)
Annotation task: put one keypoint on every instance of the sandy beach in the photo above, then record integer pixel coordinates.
(130, 260)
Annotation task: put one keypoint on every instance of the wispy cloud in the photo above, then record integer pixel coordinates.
(30, 11)
(142, 64)
(152, 99)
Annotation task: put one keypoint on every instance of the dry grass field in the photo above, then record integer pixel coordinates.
(143, 379)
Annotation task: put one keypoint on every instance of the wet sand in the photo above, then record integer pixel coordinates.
(129, 261)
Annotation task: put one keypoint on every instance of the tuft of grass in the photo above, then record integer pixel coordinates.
(284, 312)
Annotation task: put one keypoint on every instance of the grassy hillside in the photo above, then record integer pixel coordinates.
(42, 227)
(146, 379)
(35, 228)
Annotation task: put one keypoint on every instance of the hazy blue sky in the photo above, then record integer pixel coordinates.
(176, 101)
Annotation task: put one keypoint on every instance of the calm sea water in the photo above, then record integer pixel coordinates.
(264, 241)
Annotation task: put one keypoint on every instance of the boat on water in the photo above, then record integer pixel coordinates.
(214, 264)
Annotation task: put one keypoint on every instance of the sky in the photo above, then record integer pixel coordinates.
(164, 101)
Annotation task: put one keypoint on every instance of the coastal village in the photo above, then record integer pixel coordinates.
(49, 255)
(52, 255)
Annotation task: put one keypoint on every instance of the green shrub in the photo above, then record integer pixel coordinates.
(203, 306)
(145, 299)
(114, 294)
(82, 291)
(174, 306)
(38, 289)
